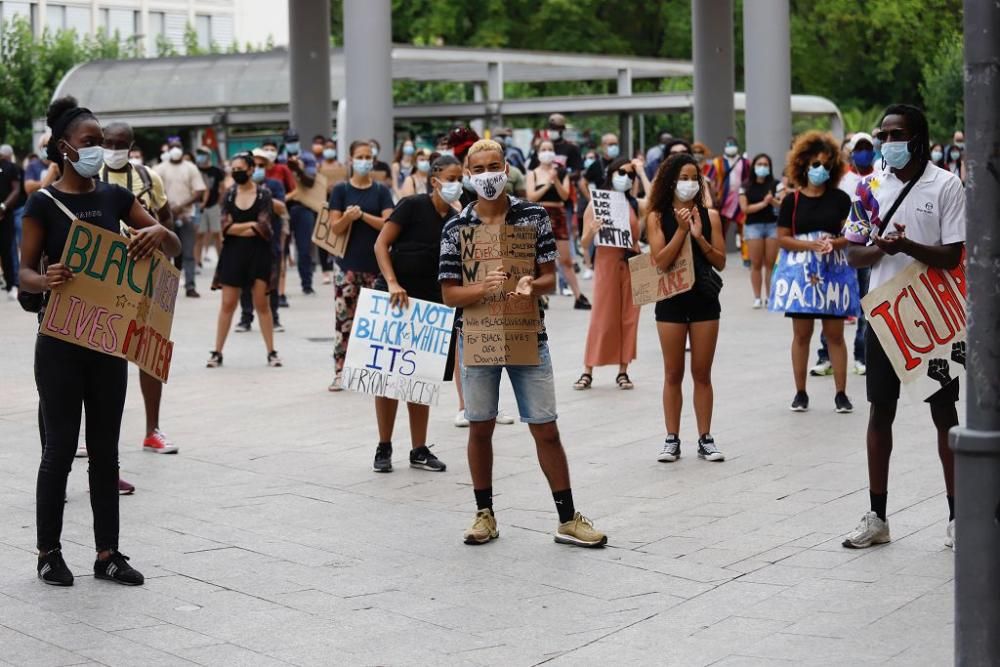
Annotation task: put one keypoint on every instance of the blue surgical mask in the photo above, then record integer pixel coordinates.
(89, 160)
(896, 154)
(258, 175)
(936, 156)
(621, 183)
(362, 167)
(292, 148)
(329, 153)
(818, 175)
(467, 183)
(451, 191)
(423, 166)
(877, 145)
(863, 158)
(613, 151)
(201, 159)
(408, 150)
(762, 171)
(447, 151)
(586, 163)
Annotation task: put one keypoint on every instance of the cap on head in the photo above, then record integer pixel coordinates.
(557, 122)
(261, 153)
(860, 137)
(290, 135)
(6, 151)
(203, 149)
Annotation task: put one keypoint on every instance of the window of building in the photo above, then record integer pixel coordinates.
(55, 18)
(10, 9)
(203, 28)
(157, 26)
(77, 18)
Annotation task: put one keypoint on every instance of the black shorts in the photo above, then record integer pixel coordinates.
(882, 382)
(688, 307)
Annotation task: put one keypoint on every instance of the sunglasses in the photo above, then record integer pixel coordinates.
(817, 163)
(625, 172)
(892, 135)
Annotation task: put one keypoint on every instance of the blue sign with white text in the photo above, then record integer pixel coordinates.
(809, 283)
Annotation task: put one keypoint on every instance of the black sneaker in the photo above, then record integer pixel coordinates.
(671, 449)
(53, 571)
(282, 301)
(844, 405)
(543, 302)
(801, 402)
(243, 327)
(273, 360)
(581, 303)
(308, 291)
(707, 449)
(422, 459)
(116, 568)
(383, 458)
(214, 360)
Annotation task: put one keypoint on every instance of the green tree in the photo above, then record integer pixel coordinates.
(943, 90)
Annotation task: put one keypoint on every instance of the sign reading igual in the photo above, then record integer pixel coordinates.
(920, 318)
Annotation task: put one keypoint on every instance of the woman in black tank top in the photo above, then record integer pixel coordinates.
(677, 218)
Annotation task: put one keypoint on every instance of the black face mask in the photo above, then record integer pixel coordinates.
(241, 177)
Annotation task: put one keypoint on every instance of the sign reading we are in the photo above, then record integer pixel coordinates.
(503, 328)
(114, 304)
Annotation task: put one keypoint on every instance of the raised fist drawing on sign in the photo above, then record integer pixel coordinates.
(940, 370)
(958, 353)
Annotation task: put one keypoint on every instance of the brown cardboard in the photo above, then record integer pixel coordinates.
(650, 284)
(503, 328)
(113, 304)
(325, 238)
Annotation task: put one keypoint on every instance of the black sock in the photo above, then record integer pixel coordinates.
(951, 508)
(878, 503)
(484, 499)
(564, 504)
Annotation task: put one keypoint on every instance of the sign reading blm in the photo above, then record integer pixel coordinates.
(114, 304)
(501, 330)
(398, 352)
(612, 209)
(921, 320)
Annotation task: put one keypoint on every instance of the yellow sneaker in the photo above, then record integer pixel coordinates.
(483, 528)
(580, 532)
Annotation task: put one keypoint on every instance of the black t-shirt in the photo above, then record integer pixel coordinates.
(826, 213)
(574, 161)
(9, 175)
(755, 193)
(360, 253)
(105, 206)
(416, 251)
(212, 176)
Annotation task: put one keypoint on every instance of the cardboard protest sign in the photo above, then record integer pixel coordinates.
(503, 329)
(920, 319)
(808, 283)
(650, 284)
(325, 238)
(612, 209)
(114, 304)
(398, 353)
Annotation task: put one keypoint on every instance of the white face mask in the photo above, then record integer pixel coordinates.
(686, 190)
(115, 159)
(451, 191)
(271, 154)
(546, 157)
(732, 151)
(135, 161)
(489, 185)
(175, 154)
(621, 183)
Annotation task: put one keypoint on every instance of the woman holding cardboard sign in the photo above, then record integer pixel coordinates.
(363, 201)
(69, 376)
(678, 216)
(407, 250)
(614, 321)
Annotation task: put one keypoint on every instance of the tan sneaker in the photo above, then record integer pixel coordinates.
(483, 528)
(580, 532)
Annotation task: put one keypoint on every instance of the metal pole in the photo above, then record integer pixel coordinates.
(768, 79)
(368, 71)
(309, 69)
(977, 446)
(494, 93)
(714, 71)
(625, 119)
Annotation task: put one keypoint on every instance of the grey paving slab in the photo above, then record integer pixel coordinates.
(269, 541)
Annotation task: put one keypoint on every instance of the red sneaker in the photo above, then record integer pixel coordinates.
(124, 488)
(158, 443)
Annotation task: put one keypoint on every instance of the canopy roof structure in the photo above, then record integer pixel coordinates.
(253, 88)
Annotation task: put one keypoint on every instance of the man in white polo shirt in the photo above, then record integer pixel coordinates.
(927, 226)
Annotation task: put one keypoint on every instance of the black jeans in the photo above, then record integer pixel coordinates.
(70, 378)
(246, 306)
(7, 249)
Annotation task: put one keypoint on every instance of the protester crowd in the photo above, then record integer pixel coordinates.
(238, 225)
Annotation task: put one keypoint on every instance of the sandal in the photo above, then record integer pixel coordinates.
(584, 382)
(624, 382)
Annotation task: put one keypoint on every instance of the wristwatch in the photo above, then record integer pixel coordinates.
(3, 207)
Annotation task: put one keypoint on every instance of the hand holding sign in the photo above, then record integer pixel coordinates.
(524, 286)
(398, 297)
(494, 280)
(57, 275)
(144, 242)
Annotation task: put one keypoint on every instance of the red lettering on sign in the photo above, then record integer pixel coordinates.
(927, 324)
(882, 310)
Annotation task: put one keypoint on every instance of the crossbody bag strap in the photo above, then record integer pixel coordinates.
(62, 207)
(899, 200)
(795, 209)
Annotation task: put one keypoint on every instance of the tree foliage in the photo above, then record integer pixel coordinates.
(943, 90)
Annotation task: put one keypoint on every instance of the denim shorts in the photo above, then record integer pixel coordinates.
(758, 231)
(534, 389)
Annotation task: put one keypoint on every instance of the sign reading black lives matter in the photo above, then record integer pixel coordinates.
(612, 210)
(502, 330)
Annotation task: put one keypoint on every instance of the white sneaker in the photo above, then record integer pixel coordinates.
(949, 539)
(460, 420)
(12, 295)
(757, 304)
(821, 369)
(566, 291)
(504, 418)
(587, 274)
(860, 368)
(871, 530)
(81, 452)
(337, 384)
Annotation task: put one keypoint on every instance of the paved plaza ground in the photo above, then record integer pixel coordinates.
(269, 541)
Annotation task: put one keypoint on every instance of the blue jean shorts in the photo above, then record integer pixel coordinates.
(758, 231)
(534, 389)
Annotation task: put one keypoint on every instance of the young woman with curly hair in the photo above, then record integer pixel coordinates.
(814, 167)
(677, 216)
